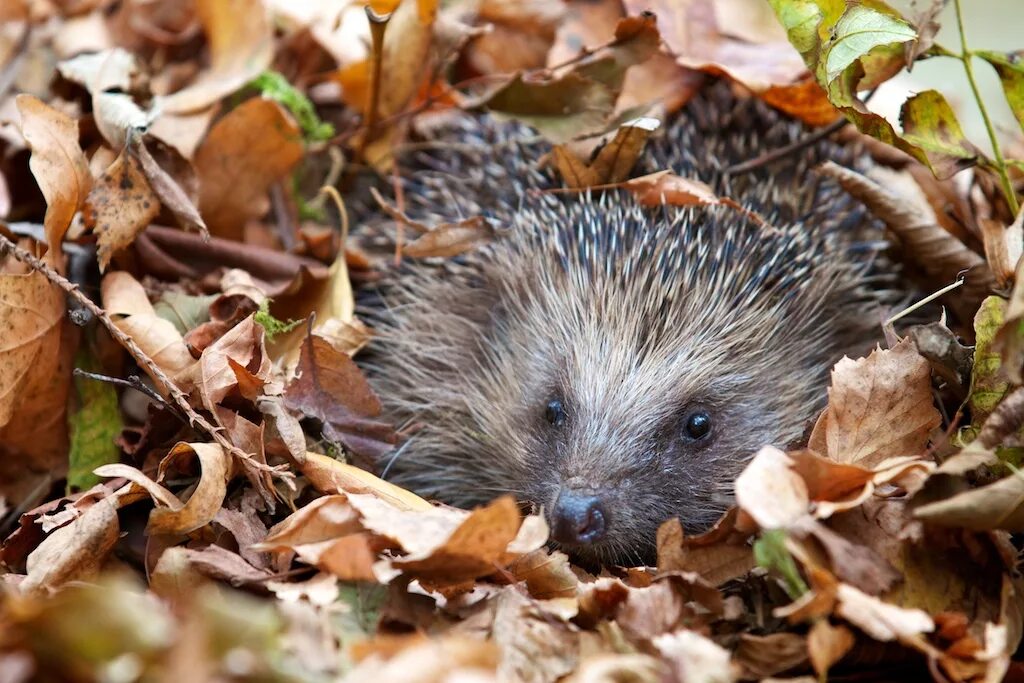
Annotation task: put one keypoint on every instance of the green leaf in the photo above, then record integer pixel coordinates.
(851, 46)
(860, 30)
(807, 23)
(1010, 67)
(93, 428)
(275, 86)
(770, 552)
(930, 125)
(988, 383)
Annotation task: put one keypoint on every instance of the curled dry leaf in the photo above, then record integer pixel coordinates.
(613, 162)
(205, 501)
(879, 407)
(58, 164)
(252, 147)
(238, 33)
(126, 302)
(217, 372)
(333, 476)
(442, 240)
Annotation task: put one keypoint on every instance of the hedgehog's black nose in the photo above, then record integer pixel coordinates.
(578, 518)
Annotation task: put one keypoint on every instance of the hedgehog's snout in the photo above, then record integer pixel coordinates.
(578, 518)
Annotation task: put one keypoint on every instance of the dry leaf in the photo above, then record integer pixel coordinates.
(878, 619)
(126, 302)
(75, 551)
(534, 647)
(36, 353)
(770, 491)
(238, 33)
(613, 162)
(205, 501)
(58, 164)
(332, 476)
(827, 644)
(119, 206)
(330, 387)
(695, 658)
(879, 407)
(252, 147)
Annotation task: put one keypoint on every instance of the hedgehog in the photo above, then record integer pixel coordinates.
(614, 366)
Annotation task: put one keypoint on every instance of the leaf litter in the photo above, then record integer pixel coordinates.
(198, 508)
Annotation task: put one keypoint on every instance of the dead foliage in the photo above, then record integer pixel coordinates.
(194, 503)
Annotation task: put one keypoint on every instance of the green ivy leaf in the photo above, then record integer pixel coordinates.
(860, 30)
(930, 125)
(856, 45)
(93, 428)
(1010, 67)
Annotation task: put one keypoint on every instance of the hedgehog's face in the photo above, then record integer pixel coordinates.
(612, 436)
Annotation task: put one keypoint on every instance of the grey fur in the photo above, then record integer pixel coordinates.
(633, 317)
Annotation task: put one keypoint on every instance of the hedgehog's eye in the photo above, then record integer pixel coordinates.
(554, 413)
(698, 425)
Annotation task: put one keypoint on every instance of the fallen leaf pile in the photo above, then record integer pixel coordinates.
(186, 432)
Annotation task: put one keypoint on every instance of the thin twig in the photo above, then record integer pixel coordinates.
(928, 299)
(966, 56)
(133, 382)
(378, 24)
(141, 358)
(781, 152)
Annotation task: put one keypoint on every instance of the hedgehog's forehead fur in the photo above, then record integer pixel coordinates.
(632, 318)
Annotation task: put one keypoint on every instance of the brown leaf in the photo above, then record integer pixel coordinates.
(248, 150)
(214, 374)
(941, 255)
(328, 475)
(658, 80)
(36, 351)
(613, 162)
(720, 554)
(126, 302)
(475, 548)
(75, 551)
(701, 36)
(827, 644)
(170, 185)
(766, 655)
(547, 574)
(331, 388)
(443, 239)
(119, 206)
(58, 164)
(879, 407)
(238, 33)
(534, 647)
(205, 501)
